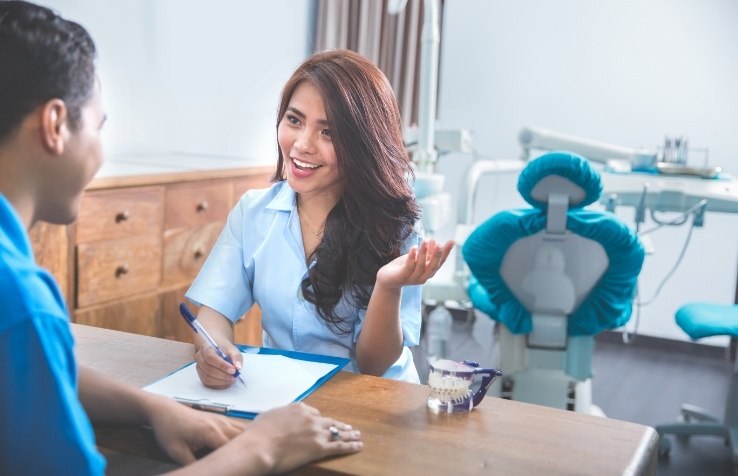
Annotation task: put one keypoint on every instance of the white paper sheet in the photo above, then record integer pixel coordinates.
(271, 381)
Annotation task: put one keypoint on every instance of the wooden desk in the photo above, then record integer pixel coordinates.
(400, 435)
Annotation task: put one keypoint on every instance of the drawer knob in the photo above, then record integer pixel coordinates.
(199, 253)
(121, 270)
(202, 206)
(121, 216)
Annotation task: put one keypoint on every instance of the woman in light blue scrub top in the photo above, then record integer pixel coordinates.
(330, 251)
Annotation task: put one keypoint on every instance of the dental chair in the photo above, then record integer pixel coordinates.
(701, 320)
(552, 277)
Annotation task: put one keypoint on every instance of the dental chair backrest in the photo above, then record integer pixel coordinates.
(555, 273)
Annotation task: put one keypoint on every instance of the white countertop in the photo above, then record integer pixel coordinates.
(120, 165)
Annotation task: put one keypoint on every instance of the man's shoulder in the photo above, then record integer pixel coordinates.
(29, 292)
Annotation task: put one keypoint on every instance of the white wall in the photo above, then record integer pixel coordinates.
(625, 72)
(181, 75)
(193, 76)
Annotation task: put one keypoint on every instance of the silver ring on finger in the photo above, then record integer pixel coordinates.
(335, 435)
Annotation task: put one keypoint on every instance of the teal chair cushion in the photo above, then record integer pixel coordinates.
(701, 319)
(609, 303)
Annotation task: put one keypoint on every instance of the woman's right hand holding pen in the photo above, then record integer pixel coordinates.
(214, 372)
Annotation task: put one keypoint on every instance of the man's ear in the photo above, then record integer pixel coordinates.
(54, 128)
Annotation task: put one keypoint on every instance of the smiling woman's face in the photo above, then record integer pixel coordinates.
(304, 137)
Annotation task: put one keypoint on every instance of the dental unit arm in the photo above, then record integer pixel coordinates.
(595, 151)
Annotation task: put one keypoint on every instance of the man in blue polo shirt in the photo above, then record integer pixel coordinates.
(51, 116)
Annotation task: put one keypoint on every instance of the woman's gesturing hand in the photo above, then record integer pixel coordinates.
(415, 267)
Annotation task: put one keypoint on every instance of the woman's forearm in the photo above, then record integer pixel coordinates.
(218, 326)
(380, 343)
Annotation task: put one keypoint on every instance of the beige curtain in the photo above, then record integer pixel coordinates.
(392, 42)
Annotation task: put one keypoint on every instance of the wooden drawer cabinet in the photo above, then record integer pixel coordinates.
(50, 248)
(185, 250)
(246, 331)
(195, 215)
(118, 243)
(196, 204)
(243, 185)
(113, 269)
(138, 243)
(122, 213)
(140, 315)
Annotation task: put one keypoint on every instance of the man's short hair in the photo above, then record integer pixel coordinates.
(42, 57)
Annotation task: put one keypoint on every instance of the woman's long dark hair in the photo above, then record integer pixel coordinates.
(377, 210)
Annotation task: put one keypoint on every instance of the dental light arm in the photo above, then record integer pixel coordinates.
(543, 139)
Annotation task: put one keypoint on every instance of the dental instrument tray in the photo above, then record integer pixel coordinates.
(707, 172)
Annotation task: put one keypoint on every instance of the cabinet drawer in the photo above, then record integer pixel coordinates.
(185, 250)
(171, 324)
(139, 315)
(110, 214)
(246, 331)
(51, 250)
(241, 186)
(196, 204)
(116, 268)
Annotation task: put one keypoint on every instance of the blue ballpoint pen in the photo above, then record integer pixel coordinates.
(199, 329)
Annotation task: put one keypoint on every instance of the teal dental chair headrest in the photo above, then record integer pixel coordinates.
(586, 185)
